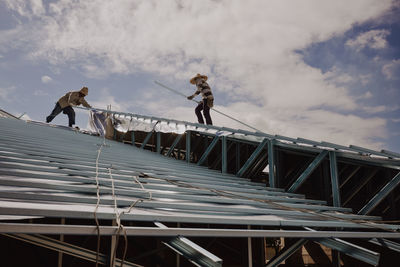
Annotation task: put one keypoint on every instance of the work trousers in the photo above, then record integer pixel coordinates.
(67, 110)
(206, 111)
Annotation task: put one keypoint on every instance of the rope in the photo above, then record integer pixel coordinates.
(117, 218)
(220, 112)
(98, 203)
(119, 214)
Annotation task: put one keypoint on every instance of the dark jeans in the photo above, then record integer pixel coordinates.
(67, 110)
(206, 111)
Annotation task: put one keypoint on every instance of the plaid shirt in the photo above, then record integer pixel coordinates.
(204, 89)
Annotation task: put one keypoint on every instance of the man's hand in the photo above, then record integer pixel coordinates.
(210, 103)
(190, 97)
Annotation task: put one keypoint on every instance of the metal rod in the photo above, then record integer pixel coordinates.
(226, 115)
(200, 232)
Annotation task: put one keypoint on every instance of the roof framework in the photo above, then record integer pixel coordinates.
(57, 173)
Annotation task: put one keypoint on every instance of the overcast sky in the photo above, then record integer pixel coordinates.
(322, 70)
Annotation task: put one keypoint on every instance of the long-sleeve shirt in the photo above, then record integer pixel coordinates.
(204, 89)
(72, 98)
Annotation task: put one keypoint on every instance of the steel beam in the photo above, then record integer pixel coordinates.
(357, 252)
(176, 141)
(386, 190)
(66, 248)
(237, 156)
(354, 251)
(386, 243)
(253, 156)
(224, 152)
(158, 143)
(188, 145)
(56, 229)
(313, 165)
(390, 153)
(334, 179)
(350, 176)
(357, 188)
(208, 150)
(191, 251)
(133, 137)
(286, 253)
(146, 139)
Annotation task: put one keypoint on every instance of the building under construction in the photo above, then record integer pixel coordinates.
(175, 193)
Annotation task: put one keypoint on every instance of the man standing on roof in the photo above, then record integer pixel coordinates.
(66, 102)
(208, 98)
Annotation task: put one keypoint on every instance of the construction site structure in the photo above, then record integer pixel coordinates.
(175, 193)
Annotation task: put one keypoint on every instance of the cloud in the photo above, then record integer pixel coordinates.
(6, 93)
(40, 93)
(26, 8)
(46, 79)
(391, 70)
(248, 48)
(375, 39)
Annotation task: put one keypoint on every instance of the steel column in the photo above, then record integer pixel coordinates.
(158, 143)
(271, 163)
(188, 145)
(249, 251)
(313, 165)
(224, 152)
(334, 179)
(133, 138)
(60, 254)
(66, 248)
(380, 195)
(237, 156)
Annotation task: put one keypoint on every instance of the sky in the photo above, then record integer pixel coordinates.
(316, 69)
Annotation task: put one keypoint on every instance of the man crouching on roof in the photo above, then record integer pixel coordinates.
(66, 102)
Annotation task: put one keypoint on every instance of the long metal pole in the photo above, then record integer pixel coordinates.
(249, 249)
(226, 115)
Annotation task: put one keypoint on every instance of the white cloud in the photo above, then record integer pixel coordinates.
(6, 93)
(106, 98)
(391, 70)
(27, 8)
(246, 47)
(40, 93)
(376, 109)
(46, 79)
(375, 39)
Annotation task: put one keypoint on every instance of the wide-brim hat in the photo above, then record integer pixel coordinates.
(192, 81)
(84, 91)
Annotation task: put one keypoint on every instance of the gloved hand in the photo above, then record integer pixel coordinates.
(210, 103)
(190, 97)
